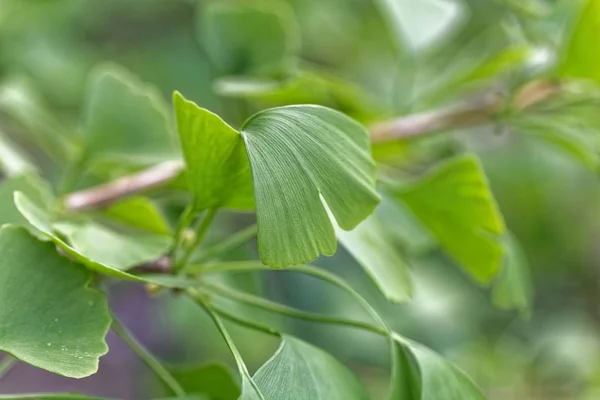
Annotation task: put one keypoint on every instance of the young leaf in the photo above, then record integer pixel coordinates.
(456, 204)
(578, 59)
(218, 168)
(126, 120)
(300, 156)
(50, 317)
(513, 289)
(431, 377)
(370, 244)
(139, 212)
(32, 186)
(212, 380)
(300, 371)
(121, 251)
(248, 38)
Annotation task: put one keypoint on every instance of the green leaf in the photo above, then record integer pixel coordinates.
(139, 212)
(300, 371)
(579, 60)
(126, 120)
(120, 251)
(428, 376)
(370, 244)
(217, 164)
(213, 380)
(249, 38)
(513, 289)
(456, 204)
(50, 317)
(13, 161)
(32, 186)
(300, 156)
(50, 396)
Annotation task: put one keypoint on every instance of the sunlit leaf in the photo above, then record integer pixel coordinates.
(139, 212)
(456, 204)
(579, 60)
(212, 380)
(13, 161)
(126, 120)
(300, 371)
(301, 156)
(52, 296)
(370, 244)
(249, 38)
(428, 376)
(106, 246)
(218, 168)
(513, 289)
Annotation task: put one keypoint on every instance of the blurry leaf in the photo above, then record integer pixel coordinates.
(249, 38)
(423, 23)
(566, 137)
(126, 120)
(121, 251)
(370, 244)
(579, 60)
(300, 371)
(301, 156)
(51, 396)
(431, 377)
(212, 380)
(217, 164)
(139, 212)
(456, 204)
(513, 289)
(36, 189)
(13, 160)
(306, 87)
(61, 323)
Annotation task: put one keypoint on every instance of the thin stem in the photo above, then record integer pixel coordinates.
(200, 234)
(152, 362)
(245, 323)
(6, 364)
(185, 219)
(228, 341)
(229, 244)
(274, 307)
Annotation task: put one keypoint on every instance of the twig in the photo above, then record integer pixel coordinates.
(476, 111)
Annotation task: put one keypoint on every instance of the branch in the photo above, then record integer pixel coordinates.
(476, 111)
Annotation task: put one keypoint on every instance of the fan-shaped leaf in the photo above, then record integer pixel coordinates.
(456, 204)
(300, 371)
(52, 296)
(139, 212)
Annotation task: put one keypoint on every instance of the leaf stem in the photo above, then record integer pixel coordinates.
(274, 307)
(245, 323)
(6, 364)
(152, 362)
(231, 243)
(200, 234)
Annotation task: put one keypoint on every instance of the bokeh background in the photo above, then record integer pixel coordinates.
(346, 55)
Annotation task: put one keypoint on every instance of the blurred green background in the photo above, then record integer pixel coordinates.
(372, 60)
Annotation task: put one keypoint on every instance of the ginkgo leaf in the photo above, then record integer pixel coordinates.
(218, 168)
(52, 296)
(213, 380)
(32, 186)
(578, 60)
(456, 204)
(139, 212)
(428, 376)
(371, 245)
(300, 371)
(300, 157)
(106, 246)
(126, 120)
(249, 38)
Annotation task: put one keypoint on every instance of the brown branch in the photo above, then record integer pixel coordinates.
(476, 111)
